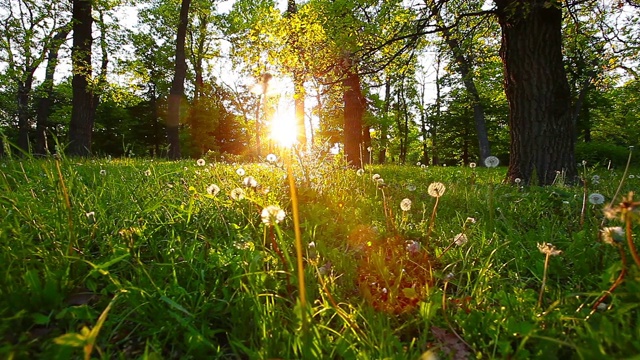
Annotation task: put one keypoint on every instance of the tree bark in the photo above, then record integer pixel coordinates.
(177, 87)
(540, 122)
(382, 153)
(82, 114)
(44, 102)
(353, 111)
(24, 123)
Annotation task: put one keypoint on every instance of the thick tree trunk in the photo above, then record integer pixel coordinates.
(541, 126)
(82, 114)
(44, 102)
(353, 111)
(177, 87)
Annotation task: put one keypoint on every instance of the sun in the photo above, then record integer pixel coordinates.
(283, 126)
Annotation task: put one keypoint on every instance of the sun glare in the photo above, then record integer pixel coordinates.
(283, 126)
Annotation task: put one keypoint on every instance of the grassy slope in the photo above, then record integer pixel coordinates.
(192, 275)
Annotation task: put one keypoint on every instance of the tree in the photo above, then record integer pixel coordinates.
(82, 115)
(177, 87)
(541, 126)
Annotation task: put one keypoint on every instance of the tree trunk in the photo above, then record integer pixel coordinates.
(466, 71)
(177, 87)
(541, 126)
(353, 111)
(24, 123)
(44, 102)
(82, 115)
(382, 154)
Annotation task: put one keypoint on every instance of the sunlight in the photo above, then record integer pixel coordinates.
(283, 126)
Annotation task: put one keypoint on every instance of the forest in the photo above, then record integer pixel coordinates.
(320, 179)
(412, 82)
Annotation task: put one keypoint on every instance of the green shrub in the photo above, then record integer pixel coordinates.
(597, 152)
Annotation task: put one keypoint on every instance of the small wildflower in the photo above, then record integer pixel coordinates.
(612, 235)
(491, 162)
(240, 172)
(201, 162)
(517, 181)
(213, 189)
(272, 215)
(472, 165)
(272, 158)
(375, 177)
(436, 189)
(237, 194)
(103, 172)
(405, 205)
(584, 162)
(411, 187)
(360, 172)
(250, 181)
(460, 239)
(412, 246)
(147, 172)
(596, 199)
(549, 249)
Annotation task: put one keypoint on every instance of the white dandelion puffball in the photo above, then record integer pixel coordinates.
(596, 199)
(272, 158)
(517, 181)
(103, 172)
(375, 177)
(472, 165)
(411, 187)
(250, 181)
(201, 162)
(147, 172)
(240, 172)
(436, 189)
(491, 162)
(460, 239)
(272, 215)
(405, 205)
(360, 172)
(237, 194)
(213, 189)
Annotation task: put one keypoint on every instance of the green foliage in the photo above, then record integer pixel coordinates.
(596, 152)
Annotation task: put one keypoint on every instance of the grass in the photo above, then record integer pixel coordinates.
(134, 259)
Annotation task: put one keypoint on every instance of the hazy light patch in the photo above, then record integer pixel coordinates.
(283, 125)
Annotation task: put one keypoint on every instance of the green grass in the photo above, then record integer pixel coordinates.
(140, 262)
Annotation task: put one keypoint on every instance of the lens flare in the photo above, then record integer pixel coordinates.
(283, 127)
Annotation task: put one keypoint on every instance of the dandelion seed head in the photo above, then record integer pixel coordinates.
(632, 176)
(436, 189)
(517, 181)
(103, 172)
(375, 177)
(423, 166)
(272, 158)
(412, 246)
(472, 165)
(240, 172)
(612, 235)
(250, 181)
(237, 194)
(549, 249)
(418, 163)
(491, 162)
(272, 215)
(411, 187)
(471, 220)
(405, 204)
(147, 172)
(596, 199)
(602, 306)
(360, 172)
(460, 239)
(201, 162)
(213, 189)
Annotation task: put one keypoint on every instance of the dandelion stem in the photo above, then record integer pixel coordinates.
(618, 281)
(433, 218)
(544, 279)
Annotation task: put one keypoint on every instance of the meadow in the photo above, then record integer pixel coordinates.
(149, 259)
